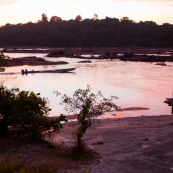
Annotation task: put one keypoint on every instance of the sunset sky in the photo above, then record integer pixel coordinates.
(23, 11)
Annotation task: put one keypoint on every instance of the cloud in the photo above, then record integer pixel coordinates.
(152, 2)
(158, 2)
(148, 0)
(7, 2)
(155, 2)
(164, 2)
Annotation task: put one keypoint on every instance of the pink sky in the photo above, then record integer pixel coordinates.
(23, 11)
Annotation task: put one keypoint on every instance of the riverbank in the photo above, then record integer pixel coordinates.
(132, 145)
(127, 145)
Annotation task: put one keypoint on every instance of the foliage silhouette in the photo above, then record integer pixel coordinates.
(108, 32)
(27, 113)
(86, 106)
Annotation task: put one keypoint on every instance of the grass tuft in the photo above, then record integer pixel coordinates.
(16, 166)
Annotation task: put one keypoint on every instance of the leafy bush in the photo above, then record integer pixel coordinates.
(26, 112)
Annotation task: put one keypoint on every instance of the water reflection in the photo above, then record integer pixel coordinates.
(136, 84)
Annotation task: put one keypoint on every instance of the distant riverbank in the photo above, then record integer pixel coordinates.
(122, 53)
(80, 50)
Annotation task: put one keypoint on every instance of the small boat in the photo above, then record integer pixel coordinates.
(65, 70)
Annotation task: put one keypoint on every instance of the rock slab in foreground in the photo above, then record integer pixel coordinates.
(133, 145)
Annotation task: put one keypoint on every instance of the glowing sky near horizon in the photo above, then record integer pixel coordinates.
(23, 11)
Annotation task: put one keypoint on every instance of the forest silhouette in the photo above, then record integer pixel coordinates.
(108, 32)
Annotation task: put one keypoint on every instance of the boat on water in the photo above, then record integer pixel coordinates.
(65, 70)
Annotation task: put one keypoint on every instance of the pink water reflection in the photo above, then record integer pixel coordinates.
(136, 84)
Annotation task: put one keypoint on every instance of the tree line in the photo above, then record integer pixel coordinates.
(108, 32)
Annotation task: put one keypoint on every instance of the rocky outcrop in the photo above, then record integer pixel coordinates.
(31, 61)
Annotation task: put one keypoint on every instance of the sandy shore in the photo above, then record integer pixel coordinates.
(130, 145)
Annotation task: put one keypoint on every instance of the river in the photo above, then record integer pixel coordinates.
(137, 84)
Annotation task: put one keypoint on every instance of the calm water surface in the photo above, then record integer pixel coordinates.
(137, 84)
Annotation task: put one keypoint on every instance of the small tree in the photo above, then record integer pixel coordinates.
(78, 18)
(44, 18)
(95, 16)
(86, 106)
(55, 19)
